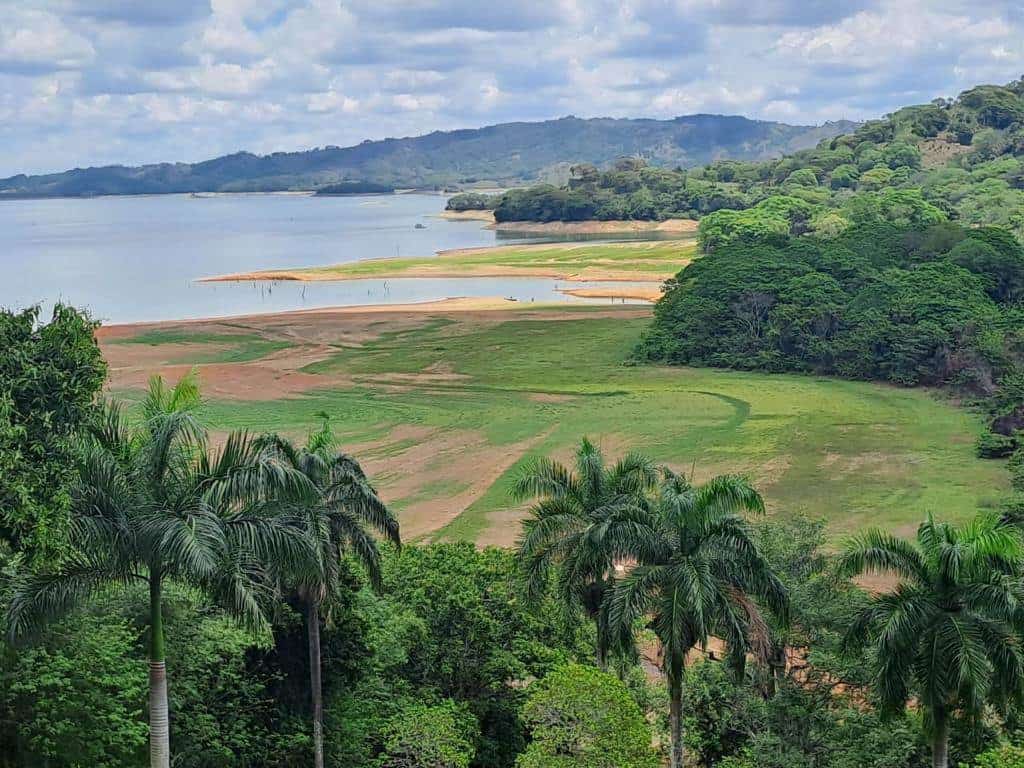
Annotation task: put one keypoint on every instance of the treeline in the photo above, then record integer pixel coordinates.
(354, 188)
(630, 189)
(964, 156)
(921, 305)
(471, 201)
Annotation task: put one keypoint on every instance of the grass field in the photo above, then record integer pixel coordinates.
(444, 409)
(647, 260)
(220, 347)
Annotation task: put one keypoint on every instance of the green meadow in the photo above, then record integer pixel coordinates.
(435, 409)
(222, 347)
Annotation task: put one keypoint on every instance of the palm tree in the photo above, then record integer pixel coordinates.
(155, 504)
(698, 574)
(950, 631)
(583, 524)
(338, 519)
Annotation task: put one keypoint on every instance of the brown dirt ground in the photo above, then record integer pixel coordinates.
(936, 152)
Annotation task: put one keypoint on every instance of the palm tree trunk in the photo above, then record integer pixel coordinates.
(675, 717)
(159, 732)
(940, 742)
(316, 692)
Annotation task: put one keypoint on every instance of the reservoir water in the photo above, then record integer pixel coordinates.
(130, 259)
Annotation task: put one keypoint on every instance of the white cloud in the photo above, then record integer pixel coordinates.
(37, 40)
(332, 101)
(96, 81)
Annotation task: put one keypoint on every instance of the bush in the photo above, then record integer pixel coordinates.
(439, 736)
(581, 717)
(992, 445)
(1006, 756)
(1016, 467)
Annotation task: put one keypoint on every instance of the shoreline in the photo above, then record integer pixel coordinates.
(635, 293)
(468, 215)
(590, 227)
(672, 226)
(317, 276)
(563, 261)
(453, 304)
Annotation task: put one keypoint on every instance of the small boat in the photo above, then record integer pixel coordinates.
(420, 226)
(511, 298)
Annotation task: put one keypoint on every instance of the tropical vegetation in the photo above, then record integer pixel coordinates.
(949, 633)
(648, 615)
(955, 159)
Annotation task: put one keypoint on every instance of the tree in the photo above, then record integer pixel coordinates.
(72, 699)
(583, 523)
(49, 378)
(157, 503)
(698, 576)
(581, 717)
(949, 632)
(337, 520)
(422, 736)
(460, 629)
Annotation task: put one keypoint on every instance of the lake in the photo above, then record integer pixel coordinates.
(131, 259)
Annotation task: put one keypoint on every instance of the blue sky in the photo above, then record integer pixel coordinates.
(91, 82)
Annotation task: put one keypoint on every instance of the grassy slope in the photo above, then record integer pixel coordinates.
(224, 347)
(854, 453)
(646, 260)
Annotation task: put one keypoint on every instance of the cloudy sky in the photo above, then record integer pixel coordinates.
(90, 82)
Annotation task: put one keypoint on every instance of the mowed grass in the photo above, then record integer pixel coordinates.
(222, 347)
(646, 260)
(855, 454)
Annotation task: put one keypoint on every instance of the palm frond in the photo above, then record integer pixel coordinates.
(543, 477)
(39, 598)
(877, 550)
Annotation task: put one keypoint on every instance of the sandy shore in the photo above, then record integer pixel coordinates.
(669, 226)
(487, 216)
(641, 293)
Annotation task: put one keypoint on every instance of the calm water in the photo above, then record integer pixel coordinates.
(130, 259)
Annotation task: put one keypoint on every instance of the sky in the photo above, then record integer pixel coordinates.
(95, 82)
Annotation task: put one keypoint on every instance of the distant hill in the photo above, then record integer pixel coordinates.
(500, 155)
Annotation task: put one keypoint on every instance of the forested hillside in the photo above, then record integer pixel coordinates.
(503, 155)
(960, 159)
(891, 253)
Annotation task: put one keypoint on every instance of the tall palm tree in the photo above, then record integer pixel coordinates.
(339, 518)
(698, 575)
(950, 632)
(584, 522)
(154, 504)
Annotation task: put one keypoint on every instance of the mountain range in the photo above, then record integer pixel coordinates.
(507, 154)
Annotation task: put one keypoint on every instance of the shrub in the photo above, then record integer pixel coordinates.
(581, 717)
(421, 736)
(1006, 756)
(1016, 467)
(992, 445)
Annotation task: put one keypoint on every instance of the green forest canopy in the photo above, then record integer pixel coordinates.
(963, 158)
